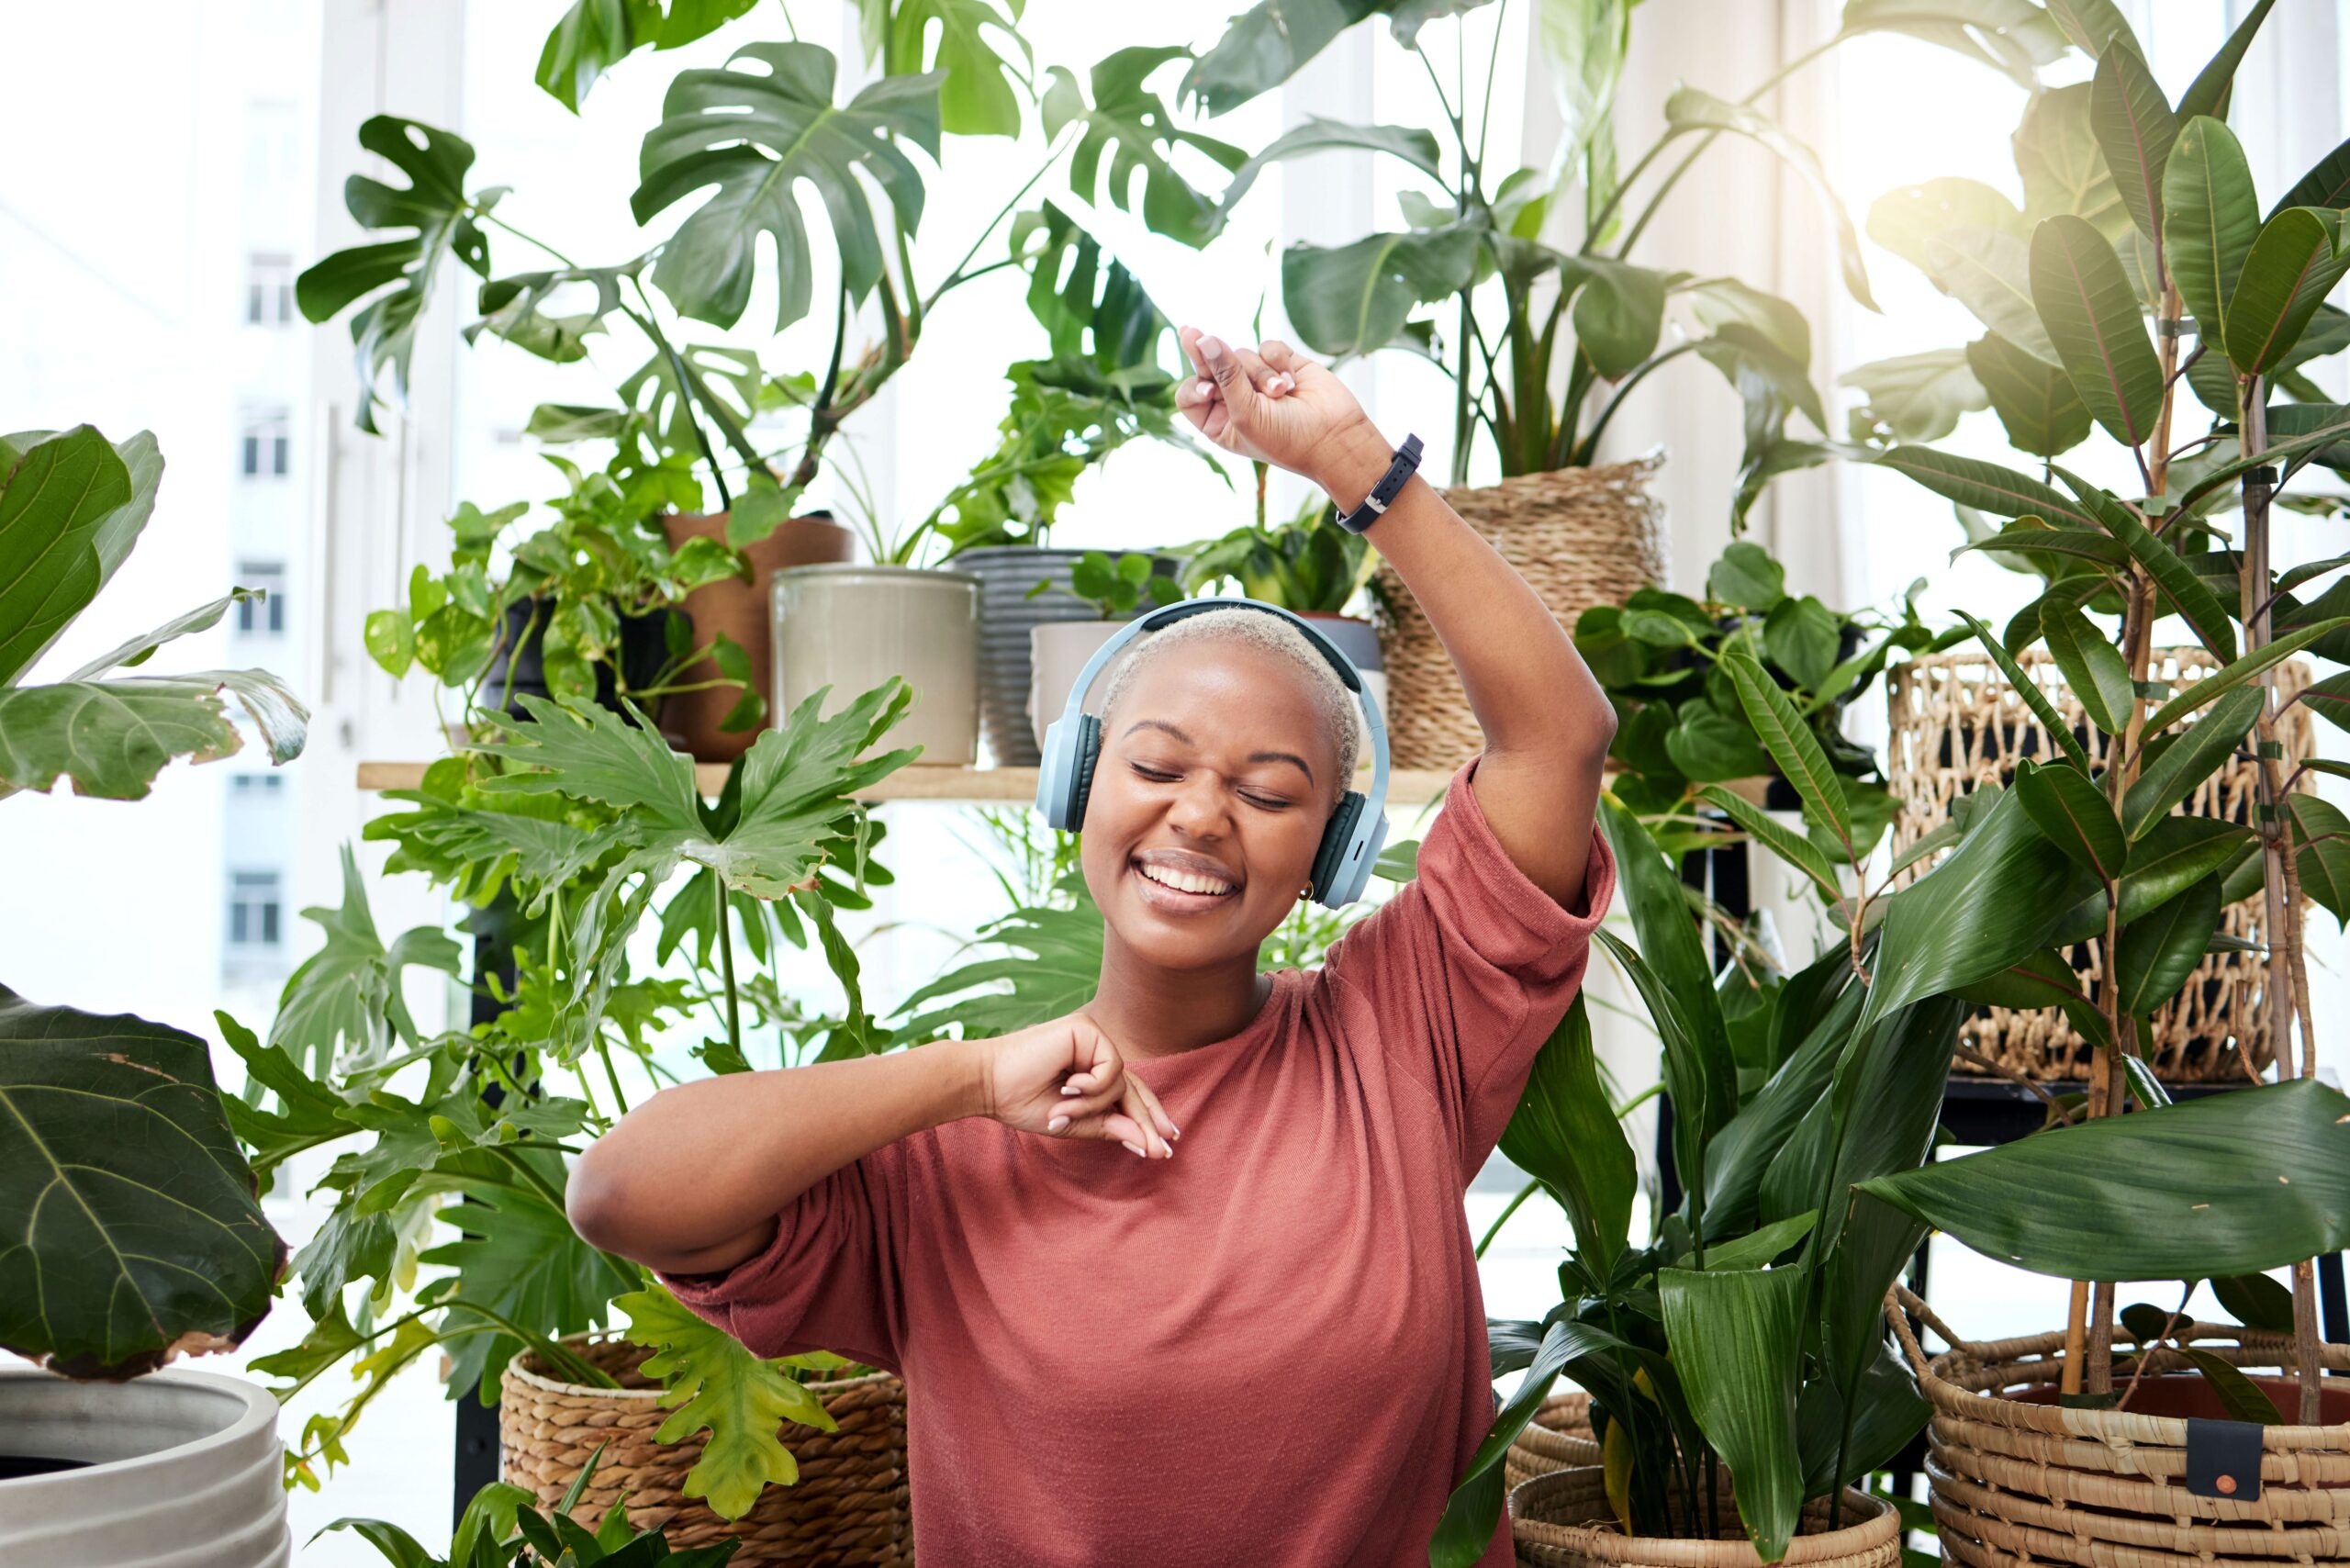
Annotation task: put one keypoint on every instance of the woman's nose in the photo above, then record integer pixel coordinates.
(1199, 810)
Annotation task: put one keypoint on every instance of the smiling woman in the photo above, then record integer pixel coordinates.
(1149, 1331)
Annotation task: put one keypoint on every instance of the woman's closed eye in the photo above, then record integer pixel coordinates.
(1264, 800)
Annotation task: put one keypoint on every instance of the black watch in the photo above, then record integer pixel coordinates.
(1382, 495)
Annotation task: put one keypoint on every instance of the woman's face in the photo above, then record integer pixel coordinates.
(1215, 784)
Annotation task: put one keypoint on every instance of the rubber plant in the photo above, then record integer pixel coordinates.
(1585, 300)
(134, 1232)
(446, 1228)
(2142, 273)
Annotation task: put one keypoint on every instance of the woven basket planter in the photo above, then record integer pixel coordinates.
(1579, 536)
(1562, 1521)
(1559, 1438)
(1956, 725)
(2019, 1479)
(850, 1505)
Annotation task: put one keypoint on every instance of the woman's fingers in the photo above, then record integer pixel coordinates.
(1157, 1116)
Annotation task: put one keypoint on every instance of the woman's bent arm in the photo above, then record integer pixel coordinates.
(692, 1179)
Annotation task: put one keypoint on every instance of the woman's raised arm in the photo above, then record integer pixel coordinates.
(1546, 723)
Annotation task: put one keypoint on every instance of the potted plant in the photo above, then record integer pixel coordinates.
(754, 110)
(502, 1527)
(1577, 311)
(135, 1234)
(1117, 588)
(447, 1231)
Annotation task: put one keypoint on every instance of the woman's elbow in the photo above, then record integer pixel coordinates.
(597, 1202)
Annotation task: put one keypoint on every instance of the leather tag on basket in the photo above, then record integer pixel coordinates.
(2224, 1459)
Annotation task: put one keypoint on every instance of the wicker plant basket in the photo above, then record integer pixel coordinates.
(1561, 1519)
(1956, 724)
(851, 1504)
(1581, 536)
(2019, 1479)
(1559, 1438)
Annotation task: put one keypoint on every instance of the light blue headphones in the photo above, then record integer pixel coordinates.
(1351, 842)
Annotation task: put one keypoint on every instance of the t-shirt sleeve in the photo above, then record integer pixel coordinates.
(1462, 975)
(830, 1279)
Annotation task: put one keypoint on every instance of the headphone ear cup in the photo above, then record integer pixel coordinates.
(1330, 856)
(1089, 752)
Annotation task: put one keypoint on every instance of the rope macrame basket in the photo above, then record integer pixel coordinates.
(1956, 725)
(850, 1505)
(1579, 536)
(1559, 1438)
(2019, 1479)
(1561, 1519)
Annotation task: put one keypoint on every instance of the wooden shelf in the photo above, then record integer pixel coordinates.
(978, 786)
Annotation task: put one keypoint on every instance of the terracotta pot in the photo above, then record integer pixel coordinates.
(739, 610)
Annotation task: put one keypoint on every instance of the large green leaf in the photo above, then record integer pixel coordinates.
(1987, 486)
(2208, 93)
(2063, 171)
(2012, 36)
(2189, 594)
(1989, 272)
(435, 206)
(2177, 853)
(1131, 124)
(1787, 845)
(345, 999)
(2212, 687)
(2092, 23)
(1675, 954)
(2135, 130)
(1619, 314)
(2034, 398)
(1919, 396)
(2233, 1184)
(2294, 263)
(2211, 214)
(1565, 1135)
(2161, 949)
(755, 135)
(112, 737)
(1414, 145)
(1700, 1076)
(1791, 743)
(983, 88)
(1050, 957)
(2323, 833)
(721, 1387)
(1689, 109)
(519, 1257)
(1467, 1526)
(2326, 185)
(2092, 316)
(1874, 1244)
(2029, 691)
(2076, 816)
(70, 506)
(1995, 899)
(2094, 668)
(1736, 1339)
(1273, 40)
(1906, 221)
(1351, 299)
(132, 1233)
(2175, 772)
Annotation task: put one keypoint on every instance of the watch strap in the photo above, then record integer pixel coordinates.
(1382, 495)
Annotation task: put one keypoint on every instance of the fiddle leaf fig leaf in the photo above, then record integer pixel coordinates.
(112, 737)
(718, 1385)
(132, 1233)
(401, 274)
(755, 130)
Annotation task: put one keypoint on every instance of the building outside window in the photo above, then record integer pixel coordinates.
(250, 784)
(254, 900)
(269, 290)
(268, 443)
(265, 617)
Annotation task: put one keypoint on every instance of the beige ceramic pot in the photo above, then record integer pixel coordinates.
(852, 627)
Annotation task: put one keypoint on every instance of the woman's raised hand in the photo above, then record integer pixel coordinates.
(1274, 404)
(1064, 1079)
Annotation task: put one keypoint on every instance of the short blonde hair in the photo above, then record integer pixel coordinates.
(1335, 707)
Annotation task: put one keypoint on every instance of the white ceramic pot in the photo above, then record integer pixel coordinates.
(174, 1470)
(851, 627)
(1057, 653)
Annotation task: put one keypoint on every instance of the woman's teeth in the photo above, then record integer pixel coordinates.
(1184, 881)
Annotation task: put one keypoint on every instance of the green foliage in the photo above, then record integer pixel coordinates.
(1117, 587)
(1309, 565)
(133, 1232)
(503, 1527)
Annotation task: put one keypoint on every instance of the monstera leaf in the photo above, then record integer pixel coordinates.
(434, 205)
(718, 1385)
(131, 1232)
(1270, 41)
(595, 35)
(1131, 124)
(951, 36)
(754, 130)
(70, 508)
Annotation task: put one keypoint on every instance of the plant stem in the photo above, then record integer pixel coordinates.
(955, 275)
(726, 958)
(620, 1096)
(1523, 1194)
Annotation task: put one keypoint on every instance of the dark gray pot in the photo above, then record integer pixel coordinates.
(1006, 573)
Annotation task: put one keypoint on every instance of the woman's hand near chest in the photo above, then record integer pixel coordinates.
(1066, 1079)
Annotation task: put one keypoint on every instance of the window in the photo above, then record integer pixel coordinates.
(247, 785)
(268, 443)
(269, 291)
(266, 616)
(254, 899)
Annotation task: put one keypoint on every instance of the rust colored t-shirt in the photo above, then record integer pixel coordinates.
(1270, 1351)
